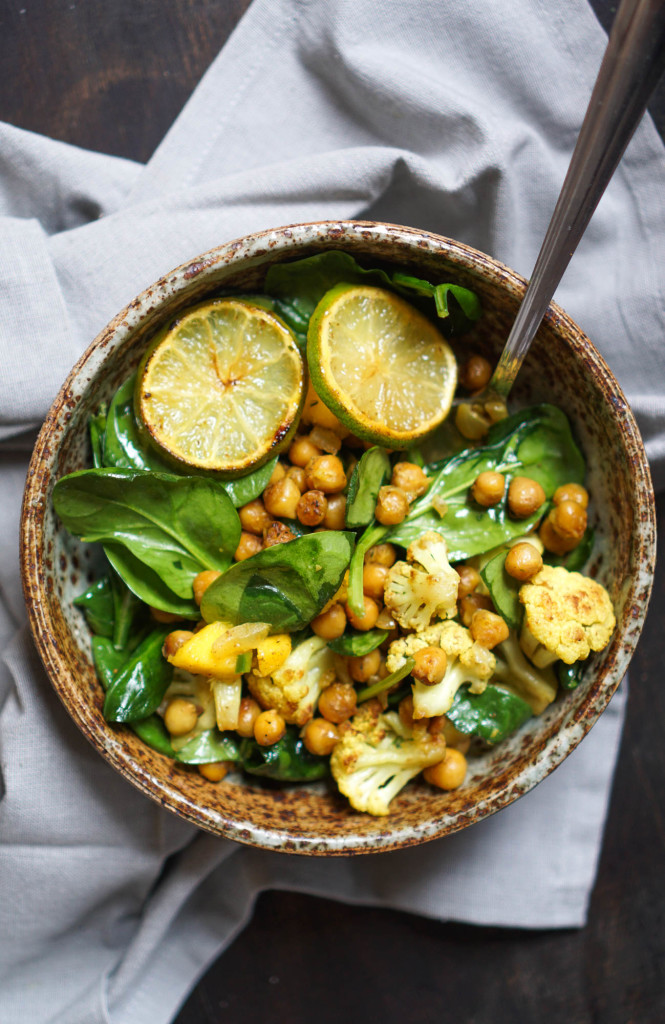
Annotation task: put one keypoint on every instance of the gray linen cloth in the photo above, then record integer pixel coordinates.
(456, 117)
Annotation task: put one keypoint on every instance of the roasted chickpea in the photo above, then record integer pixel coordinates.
(214, 771)
(331, 623)
(488, 488)
(472, 421)
(312, 507)
(525, 496)
(370, 614)
(381, 554)
(374, 580)
(248, 712)
(469, 578)
(364, 666)
(405, 711)
(326, 473)
(302, 450)
(488, 628)
(553, 541)
(335, 517)
(392, 505)
(569, 520)
(470, 604)
(523, 561)
(277, 533)
(180, 716)
(475, 373)
(278, 472)
(455, 738)
(315, 411)
(337, 702)
(430, 665)
(386, 621)
(449, 773)
(175, 640)
(571, 492)
(410, 478)
(159, 616)
(253, 516)
(299, 477)
(269, 728)
(248, 545)
(202, 581)
(320, 736)
(281, 499)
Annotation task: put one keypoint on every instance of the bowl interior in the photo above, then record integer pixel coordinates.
(562, 367)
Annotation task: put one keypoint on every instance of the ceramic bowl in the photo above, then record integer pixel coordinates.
(563, 367)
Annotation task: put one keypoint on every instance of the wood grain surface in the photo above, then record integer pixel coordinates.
(113, 78)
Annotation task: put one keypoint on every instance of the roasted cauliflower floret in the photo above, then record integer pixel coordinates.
(378, 755)
(468, 662)
(537, 686)
(567, 615)
(294, 688)
(425, 586)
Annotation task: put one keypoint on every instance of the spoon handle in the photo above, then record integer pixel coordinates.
(633, 62)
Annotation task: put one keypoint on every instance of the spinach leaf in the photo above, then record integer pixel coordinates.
(209, 746)
(287, 760)
(129, 615)
(97, 427)
(491, 715)
(286, 585)
(356, 643)
(124, 447)
(139, 686)
(176, 526)
(98, 607)
(153, 732)
(545, 450)
(569, 676)
(147, 585)
(578, 557)
(302, 284)
(369, 475)
(246, 488)
(107, 660)
(504, 590)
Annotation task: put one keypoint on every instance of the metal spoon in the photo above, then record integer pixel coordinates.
(633, 62)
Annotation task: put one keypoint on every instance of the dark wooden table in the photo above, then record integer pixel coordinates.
(113, 78)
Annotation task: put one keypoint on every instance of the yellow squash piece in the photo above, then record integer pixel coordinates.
(214, 650)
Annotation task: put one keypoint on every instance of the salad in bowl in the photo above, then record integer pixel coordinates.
(317, 573)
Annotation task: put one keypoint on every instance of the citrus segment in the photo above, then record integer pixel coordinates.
(222, 388)
(380, 365)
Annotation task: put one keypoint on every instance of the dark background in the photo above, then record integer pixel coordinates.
(113, 77)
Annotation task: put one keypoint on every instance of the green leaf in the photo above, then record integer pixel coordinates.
(491, 715)
(286, 585)
(546, 450)
(578, 557)
(246, 488)
(153, 732)
(139, 686)
(98, 607)
(124, 446)
(367, 478)
(107, 660)
(569, 676)
(175, 526)
(244, 663)
(208, 747)
(356, 644)
(287, 760)
(97, 427)
(147, 585)
(504, 590)
(129, 615)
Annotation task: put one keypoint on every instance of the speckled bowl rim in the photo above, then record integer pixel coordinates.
(288, 241)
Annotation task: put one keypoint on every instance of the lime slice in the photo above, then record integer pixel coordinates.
(380, 365)
(221, 389)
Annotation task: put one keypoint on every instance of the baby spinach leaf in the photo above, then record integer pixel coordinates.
(491, 715)
(287, 760)
(107, 660)
(569, 676)
(356, 643)
(209, 746)
(459, 306)
(286, 585)
(153, 732)
(546, 450)
(247, 488)
(147, 585)
(577, 558)
(504, 590)
(139, 686)
(129, 615)
(369, 475)
(98, 607)
(124, 446)
(176, 526)
(97, 428)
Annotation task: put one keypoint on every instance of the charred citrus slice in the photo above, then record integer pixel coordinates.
(221, 388)
(380, 365)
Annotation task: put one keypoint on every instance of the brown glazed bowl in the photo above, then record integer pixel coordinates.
(563, 367)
